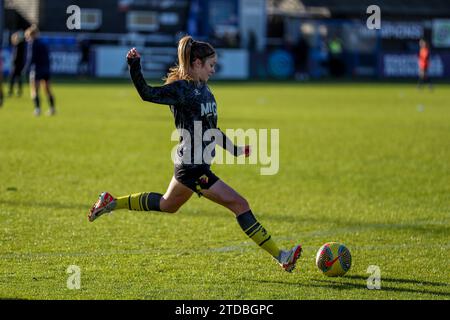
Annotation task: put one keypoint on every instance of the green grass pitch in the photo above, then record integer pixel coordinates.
(367, 165)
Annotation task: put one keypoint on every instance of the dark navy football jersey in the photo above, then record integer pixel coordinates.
(194, 109)
(38, 58)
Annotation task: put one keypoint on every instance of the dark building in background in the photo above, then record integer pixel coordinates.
(160, 20)
(159, 17)
(284, 38)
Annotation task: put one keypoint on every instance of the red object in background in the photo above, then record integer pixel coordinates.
(424, 58)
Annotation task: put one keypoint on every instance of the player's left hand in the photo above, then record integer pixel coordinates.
(246, 151)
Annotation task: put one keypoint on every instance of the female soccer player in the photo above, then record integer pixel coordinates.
(194, 107)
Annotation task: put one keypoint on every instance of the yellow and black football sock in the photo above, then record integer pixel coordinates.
(257, 233)
(140, 202)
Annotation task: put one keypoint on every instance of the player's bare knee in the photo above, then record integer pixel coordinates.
(173, 209)
(240, 205)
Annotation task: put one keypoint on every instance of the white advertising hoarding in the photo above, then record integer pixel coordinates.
(232, 64)
(406, 65)
(111, 61)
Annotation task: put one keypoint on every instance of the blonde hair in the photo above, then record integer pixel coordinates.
(188, 51)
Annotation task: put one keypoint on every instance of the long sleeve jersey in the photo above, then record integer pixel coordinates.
(38, 58)
(194, 109)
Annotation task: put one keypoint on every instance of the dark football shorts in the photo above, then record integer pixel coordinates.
(39, 75)
(196, 178)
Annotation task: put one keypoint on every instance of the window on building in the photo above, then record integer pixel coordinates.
(91, 19)
(142, 21)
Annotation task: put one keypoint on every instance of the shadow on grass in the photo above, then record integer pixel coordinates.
(341, 285)
(347, 226)
(398, 280)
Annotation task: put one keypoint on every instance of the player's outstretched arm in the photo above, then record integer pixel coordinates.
(170, 94)
(228, 145)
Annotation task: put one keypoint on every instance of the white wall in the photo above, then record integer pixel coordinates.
(110, 61)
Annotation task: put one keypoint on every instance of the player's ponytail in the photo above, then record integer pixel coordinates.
(184, 56)
(188, 51)
(181, 70)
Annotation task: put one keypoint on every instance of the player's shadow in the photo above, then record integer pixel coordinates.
(386, 285)
(399, 280)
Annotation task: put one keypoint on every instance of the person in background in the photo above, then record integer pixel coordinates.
(83, 65)
(1, 80)
(18, 62)
(424, 63)
(336, 64)
(38, 66)
(301, 54)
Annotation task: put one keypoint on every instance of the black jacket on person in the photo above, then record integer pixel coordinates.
(18, 55)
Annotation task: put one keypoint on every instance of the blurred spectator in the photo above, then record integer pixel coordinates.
(301, 54)
(336, 62)
(424, 63)
(252, 43)
(38, 65)
(18, 62)
(1, 79)
(85, 48)
(256, 58)
(321, 57)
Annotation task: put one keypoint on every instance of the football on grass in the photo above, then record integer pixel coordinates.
(334, 259)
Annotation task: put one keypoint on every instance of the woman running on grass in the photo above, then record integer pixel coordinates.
(194, 107)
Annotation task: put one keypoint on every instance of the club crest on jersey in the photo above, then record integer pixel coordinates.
(196, 92)
(209, 108)
(203, 179)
